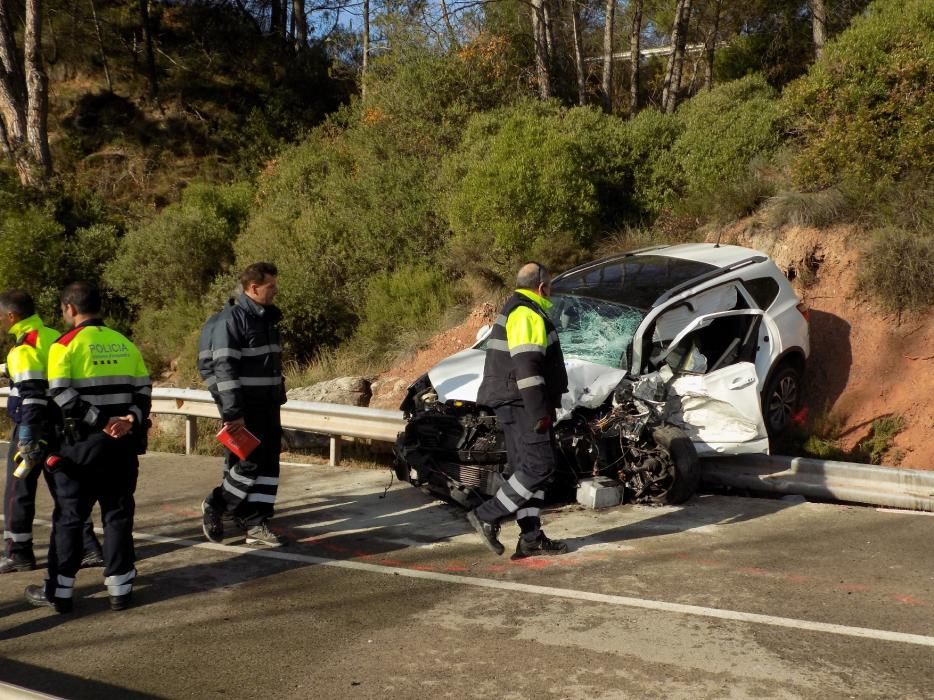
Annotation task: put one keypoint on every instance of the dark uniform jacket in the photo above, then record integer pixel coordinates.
(240, 358)
(524, 363)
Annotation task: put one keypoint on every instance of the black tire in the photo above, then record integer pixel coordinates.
(780, 399)
(686, 476)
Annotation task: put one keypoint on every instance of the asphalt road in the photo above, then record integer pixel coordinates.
(394, 597)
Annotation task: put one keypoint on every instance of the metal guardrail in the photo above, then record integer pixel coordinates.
(912, 489)
(838, 481)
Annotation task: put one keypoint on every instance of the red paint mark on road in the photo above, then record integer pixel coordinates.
(852, 587)
(911, 600)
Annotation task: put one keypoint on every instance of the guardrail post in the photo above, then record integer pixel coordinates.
(191, 434)
(335, 459)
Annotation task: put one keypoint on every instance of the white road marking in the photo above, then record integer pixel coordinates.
(567, 593)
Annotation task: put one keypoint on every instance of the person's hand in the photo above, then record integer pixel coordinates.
(234, 426)
(32, 452)
(544, 424)
(119, 426)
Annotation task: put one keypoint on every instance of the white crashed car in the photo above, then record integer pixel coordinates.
(672, 352)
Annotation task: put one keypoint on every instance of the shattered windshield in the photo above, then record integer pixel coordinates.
(594, 330)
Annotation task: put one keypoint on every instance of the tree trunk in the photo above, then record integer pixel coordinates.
(300, 22)
(635, 53)
(672, 87)
(607, 82)
(549, 35)
(452, 35)
(366, 48)
(578, 55)
(818, 25)
(542, 71)
(150, 51)
(712, 45)
(100, 46)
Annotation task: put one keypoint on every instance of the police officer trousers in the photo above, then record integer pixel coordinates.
(106, 474)
(249, 487)
(532, 458)
(19, 509)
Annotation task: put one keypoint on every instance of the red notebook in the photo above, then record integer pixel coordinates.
(241, 443)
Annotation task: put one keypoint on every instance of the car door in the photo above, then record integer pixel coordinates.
(713, 391)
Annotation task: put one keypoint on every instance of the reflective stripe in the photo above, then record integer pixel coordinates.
(528, 347)
(267, 481)
(260, 350)
(142, 381)
(137, 414)
(120, 579)
(504, 499)
(14, 391)
(228, 385)
(497, 345)
(144, 391)
(540, 494)
(500, 321)
(92, 415)
(519, 488)
(35, 402)
(108, 399)
(103, 381)
(235, 491)
(64, 592)
(210, 381)
(26, 376)
(261, 381)
(59, 383)
(261, 498)
(528, 513)
(205, 354)
(65, 397)
(17, 536)
(239, 477)
(120, 590)
(226, 352)
(530, 382)
(65, 580)
(552, 338)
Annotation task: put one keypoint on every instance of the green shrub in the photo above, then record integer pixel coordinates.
(863, 111)
(529, 173)
(182, 249)
(881, 436)
(32, 248)
(164, 332)
(722, 131)
(649, 137)
(813, 209)
(401, 306)
(898, 268)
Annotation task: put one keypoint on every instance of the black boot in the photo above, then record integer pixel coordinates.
(540, 546)
(488, 532)
(36, 596)
(17, 562)
(120, 602)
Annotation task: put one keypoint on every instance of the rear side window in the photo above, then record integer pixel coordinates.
(763, 290)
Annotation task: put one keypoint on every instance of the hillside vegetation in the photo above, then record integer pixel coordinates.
(388, 213)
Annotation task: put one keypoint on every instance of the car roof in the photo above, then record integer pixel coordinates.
(643, 278)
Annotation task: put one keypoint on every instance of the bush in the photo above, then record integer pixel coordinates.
(529, 173)
(898, 268)
(165, 332)
(649, 137)
(812, 209)
(863, 111)
(722, 132)
(182, 249)
(402, 306)
(32, 248)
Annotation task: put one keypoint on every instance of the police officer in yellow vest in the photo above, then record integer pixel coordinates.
(100, 384)
(523, 380)
(28, 409)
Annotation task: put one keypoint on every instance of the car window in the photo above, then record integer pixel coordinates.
(763, 290)
(722, 342)
(594, 330)
(675, 319)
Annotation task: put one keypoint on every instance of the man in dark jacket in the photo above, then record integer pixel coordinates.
(523, 380)
(240, 360)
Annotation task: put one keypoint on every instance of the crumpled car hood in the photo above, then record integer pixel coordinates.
(457, 378)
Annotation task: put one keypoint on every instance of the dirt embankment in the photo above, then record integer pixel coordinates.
(864, 363)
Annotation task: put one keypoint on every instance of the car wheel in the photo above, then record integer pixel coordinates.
(780, 399)
(683, 464)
